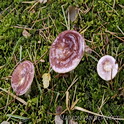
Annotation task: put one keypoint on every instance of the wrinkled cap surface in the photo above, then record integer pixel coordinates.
(66, 51)
(22, 77)
(107, 67)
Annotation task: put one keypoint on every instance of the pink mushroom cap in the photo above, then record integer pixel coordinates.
(22, 77)
(66, 51)
(107, 67)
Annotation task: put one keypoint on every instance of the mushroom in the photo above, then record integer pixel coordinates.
(107, 67)
(66, 51)
(58, 118)
(22, 77)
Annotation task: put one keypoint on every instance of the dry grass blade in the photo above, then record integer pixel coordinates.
(84, 30)
(28, 1)
(112, 33)
(2, 66)
(73, 82)
(67, 100)
(121, 6)
(14, 96)
(34, 5)
(73, 105)
(120, 30)
(39, 60)
(22, 27)
(96, 114)
(104, 100)
(72, 13)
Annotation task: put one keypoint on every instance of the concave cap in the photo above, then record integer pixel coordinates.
(107, 67)
(66, 51)
(22, 77)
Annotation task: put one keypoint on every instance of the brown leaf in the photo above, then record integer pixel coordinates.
(72, 13)
(46, 79)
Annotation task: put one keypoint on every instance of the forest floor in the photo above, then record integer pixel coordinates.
(101, 22)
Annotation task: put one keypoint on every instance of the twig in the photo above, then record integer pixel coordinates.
(14, 96)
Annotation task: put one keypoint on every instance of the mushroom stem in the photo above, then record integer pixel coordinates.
(27, 92)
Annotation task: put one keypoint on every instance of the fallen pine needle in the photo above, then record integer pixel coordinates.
(14, 96)
(96, 114)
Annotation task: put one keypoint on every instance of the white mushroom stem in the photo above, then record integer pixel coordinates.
(27, 92)
(107, 66)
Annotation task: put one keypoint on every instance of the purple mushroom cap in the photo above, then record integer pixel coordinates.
(22, 77)
(66, 51)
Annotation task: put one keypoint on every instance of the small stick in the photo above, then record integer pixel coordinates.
(14, 96)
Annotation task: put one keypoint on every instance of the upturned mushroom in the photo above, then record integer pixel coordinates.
(107, 67)
(22, 77)
(66, 51)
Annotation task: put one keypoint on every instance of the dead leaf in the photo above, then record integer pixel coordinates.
(42, 60)
(46, 79)
(72, 13)
(39, 42)
(26, 34)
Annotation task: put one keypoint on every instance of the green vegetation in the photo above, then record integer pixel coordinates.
(102, 24)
